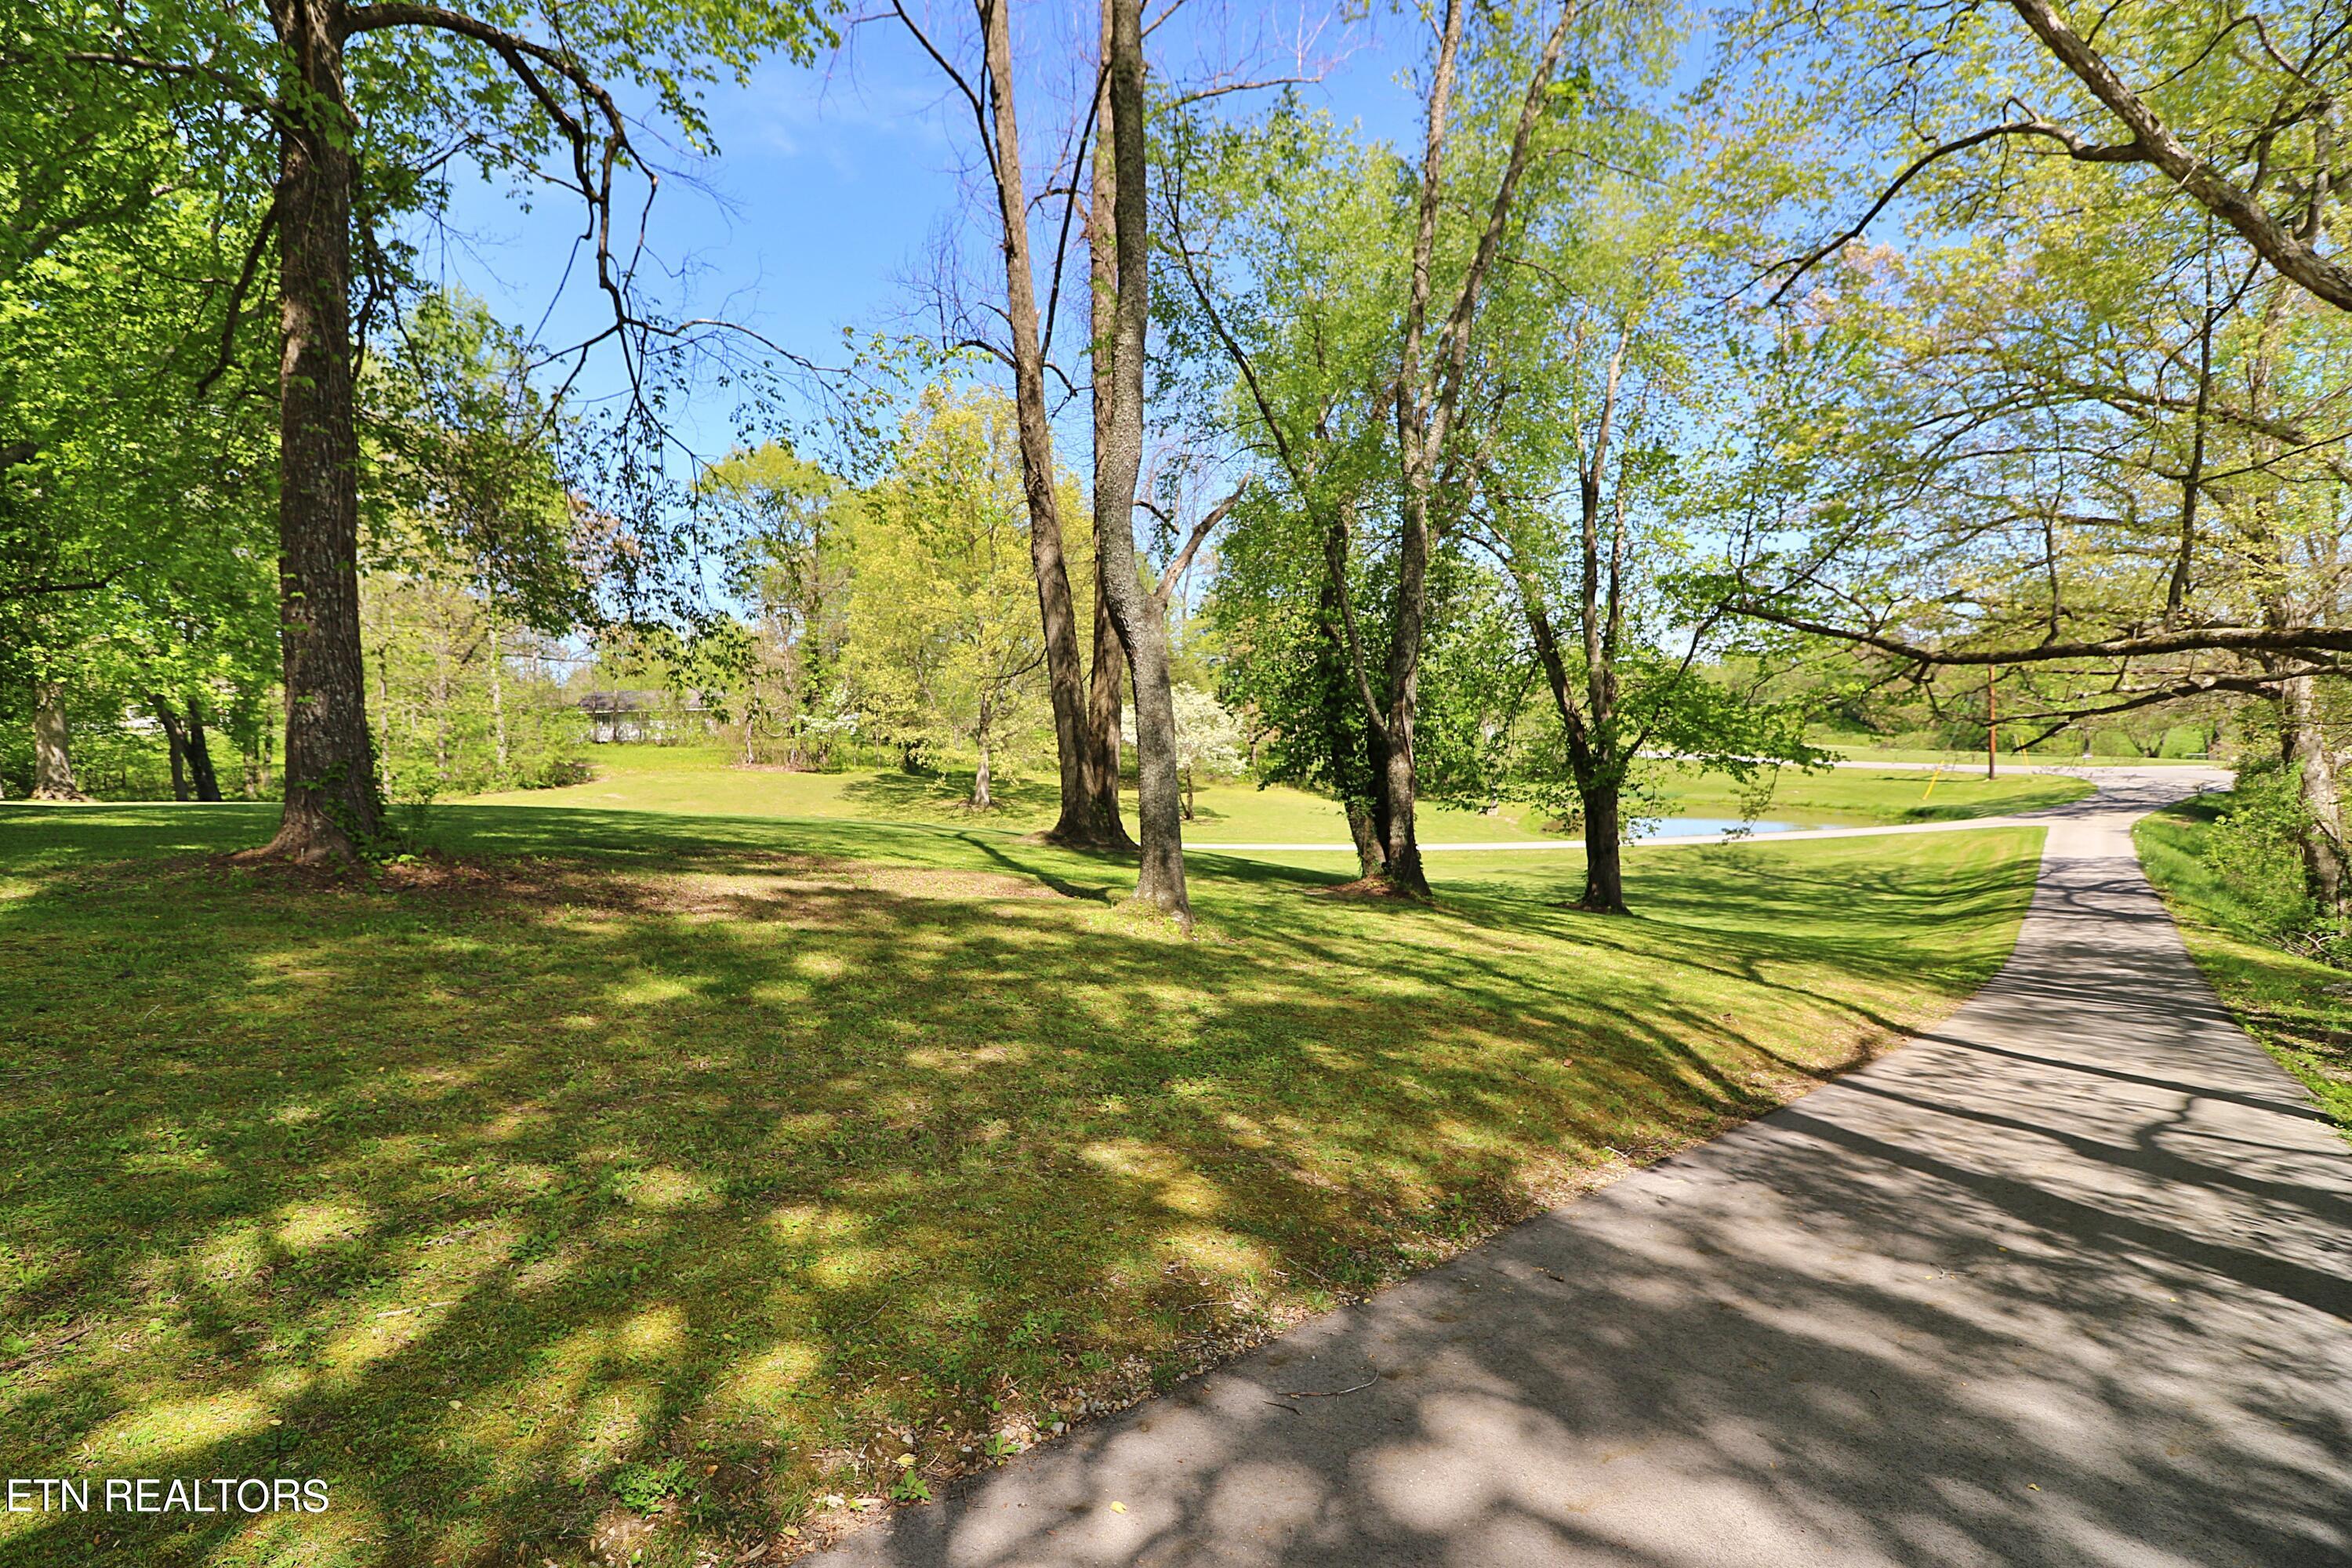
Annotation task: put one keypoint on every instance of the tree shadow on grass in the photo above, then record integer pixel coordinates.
(778, 1149)
(948, 794)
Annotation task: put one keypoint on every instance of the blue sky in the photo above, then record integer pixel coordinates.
(836, 183)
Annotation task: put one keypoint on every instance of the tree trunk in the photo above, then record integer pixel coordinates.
(1358, 775)
(1418, 435)
(443, 696)
(1371, 856)
(1109, 672)
(980, 777)
(331, 802)
(1604, 848)
(200, 754)
(2305, 746)
(1141, 616)
(1402, 848)
(176, 743)
(499, 708)
(1105, 698)
(1063, 677)
(53, 776)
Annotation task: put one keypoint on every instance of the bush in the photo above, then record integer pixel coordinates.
(2255, 849)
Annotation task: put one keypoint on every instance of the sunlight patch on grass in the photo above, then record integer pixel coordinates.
(300, 1227)
(156, 1432)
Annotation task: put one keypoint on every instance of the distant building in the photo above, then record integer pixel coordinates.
(626, 716)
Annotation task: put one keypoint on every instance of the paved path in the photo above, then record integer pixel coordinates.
(2066, 1280)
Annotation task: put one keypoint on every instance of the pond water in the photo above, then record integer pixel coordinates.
(1707, 826)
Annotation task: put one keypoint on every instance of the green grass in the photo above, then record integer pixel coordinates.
(1862, 795)
(1975, 758)
(705, 780)
(2300, 1009)
(623, 1163)
(699, 780)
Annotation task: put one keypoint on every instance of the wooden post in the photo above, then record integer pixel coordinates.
(1992, 727)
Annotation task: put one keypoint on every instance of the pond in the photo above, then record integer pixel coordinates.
(1705, 828)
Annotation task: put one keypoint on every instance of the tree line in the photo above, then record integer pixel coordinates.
(1651, 389)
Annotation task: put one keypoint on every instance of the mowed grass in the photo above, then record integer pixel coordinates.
(1858, 796)
(706, 781)
(2298, 1008)
(715, 1163)
(1975, 758)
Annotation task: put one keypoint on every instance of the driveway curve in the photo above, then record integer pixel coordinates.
(2067, 1280)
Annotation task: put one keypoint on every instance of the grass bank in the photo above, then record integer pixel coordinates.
(2300, 1009)
(632, 1182)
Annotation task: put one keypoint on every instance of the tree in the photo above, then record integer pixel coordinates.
(331, 90)
(2237, 110)
(1086, 758)
(942, 644)
(1320, 373)
(2083, 456)
(786, 561)
(134, 489)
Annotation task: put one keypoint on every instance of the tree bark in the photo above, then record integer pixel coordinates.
(2305, 746)
(53, 776)
(176, 743)
(1108, 676)
(1358, 775)
(1076, 824)
(1105, 697)
(200, 754)
(1604, 849)
(331, 802)
(1141, 616)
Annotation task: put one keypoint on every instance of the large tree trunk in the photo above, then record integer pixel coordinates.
(2305, 746)
(1604, 848)
(331, 802)
(1141, 615)
(53, 775)
(176, 742)
(1371, 855)
(1358, 775)
(200, 754)
(1064, 681)
(1402, 848)
(1106, 697)
(1108, 676)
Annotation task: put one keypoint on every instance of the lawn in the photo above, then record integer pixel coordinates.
(1841, 796)
(2009, 760)
(704, 780)
(2300, 1009)
(655, 1182)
